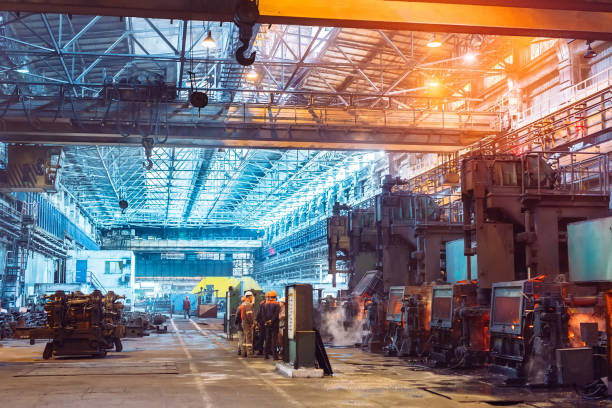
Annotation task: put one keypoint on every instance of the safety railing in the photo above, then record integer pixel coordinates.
(581, 90)
(325, 116)
(428, 209)
(572, 173)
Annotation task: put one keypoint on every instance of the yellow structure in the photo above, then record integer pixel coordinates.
(222, 283)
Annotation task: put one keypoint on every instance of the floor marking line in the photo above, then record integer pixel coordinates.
(192, 367)
(269, 383)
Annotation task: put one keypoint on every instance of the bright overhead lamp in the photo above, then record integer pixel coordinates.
(590, 52)
(469, 57)
(23, 70)
(251, 75)
(434, 42)
(432, 83)
(209, 42)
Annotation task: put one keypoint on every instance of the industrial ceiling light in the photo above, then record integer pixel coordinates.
(590, 52)
(209, 42)
(432, 83)
(434, 42)
(469, 57)
(23, 70)
(252, 74)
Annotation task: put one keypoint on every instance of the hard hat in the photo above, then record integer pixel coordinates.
(248, 293)
(271, 294)
(282, 300)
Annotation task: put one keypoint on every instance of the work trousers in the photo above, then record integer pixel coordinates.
(271, 338)
(186, 314)
(247, 345)
(240, 340)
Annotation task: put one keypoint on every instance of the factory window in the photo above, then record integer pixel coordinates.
(539, 47)
(172, 255)
(113, 267)
(214, 256)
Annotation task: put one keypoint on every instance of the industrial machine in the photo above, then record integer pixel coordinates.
(413, 230)
(352, 239)
(408, 316)
(516, 215)
(31, 168)
(459, 326)
(79, 324)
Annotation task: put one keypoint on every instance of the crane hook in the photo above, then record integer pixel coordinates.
(242, 60)
(245, 16)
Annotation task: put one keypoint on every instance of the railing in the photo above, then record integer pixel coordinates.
(573, 173)
(261, 114)
(581, 90)
(93, 280)
(426, 209)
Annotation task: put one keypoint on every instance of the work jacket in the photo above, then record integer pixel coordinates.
(247, 314)
(186, 304)
(238, 319)
(270, 313)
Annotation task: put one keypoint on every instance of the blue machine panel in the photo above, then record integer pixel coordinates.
(456, 262)
(81, 271)
(590, 250)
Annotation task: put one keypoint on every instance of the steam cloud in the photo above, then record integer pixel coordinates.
(340, 330)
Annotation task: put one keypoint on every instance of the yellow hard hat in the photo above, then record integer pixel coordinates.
(271, 294)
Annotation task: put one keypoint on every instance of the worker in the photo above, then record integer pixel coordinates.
(248, 321)
(271, 311)
(260, 334)
(186, 308)
(281, 326)
(238, 324)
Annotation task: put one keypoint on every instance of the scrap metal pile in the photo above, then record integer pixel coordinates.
(79, 324)
(13, 319)
(139, 324)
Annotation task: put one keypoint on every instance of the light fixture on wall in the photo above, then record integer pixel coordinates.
(590, 52)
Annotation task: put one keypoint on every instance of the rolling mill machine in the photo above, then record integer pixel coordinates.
(413, 230)
(404, 249)
(516, 215)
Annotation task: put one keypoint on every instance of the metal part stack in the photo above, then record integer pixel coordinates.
(79, 324)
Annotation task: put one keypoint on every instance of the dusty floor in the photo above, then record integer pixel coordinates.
(194, 366)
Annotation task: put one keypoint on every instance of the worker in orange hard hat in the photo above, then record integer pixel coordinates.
(238, 323)
(248, 322)
(271, 312)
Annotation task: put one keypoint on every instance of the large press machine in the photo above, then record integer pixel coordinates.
(495, 276)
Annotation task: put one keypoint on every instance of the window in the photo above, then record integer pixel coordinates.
(113, 267)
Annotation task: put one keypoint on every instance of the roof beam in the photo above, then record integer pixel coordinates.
(257, 136)
(562, 19)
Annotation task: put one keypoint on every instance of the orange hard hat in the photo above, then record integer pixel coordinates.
(271, 294)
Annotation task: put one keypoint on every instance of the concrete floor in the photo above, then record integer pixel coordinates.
(195, 366)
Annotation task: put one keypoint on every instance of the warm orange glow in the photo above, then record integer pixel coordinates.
(577, 317)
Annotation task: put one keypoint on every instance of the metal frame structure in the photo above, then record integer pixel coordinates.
(315, 87)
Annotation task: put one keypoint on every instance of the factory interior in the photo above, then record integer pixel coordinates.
(383, 203)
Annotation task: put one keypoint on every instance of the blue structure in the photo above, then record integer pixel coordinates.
(52, 221)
